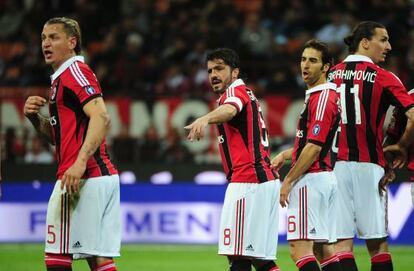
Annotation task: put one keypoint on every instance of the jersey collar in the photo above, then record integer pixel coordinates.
(236, 83)
(65, 65)
(321, 87)
(358, 58)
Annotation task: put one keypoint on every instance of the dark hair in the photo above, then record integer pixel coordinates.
(321, 47)
(71, 28)
(363, 30)
(229, 56)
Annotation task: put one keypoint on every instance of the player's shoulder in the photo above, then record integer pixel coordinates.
(79, 74)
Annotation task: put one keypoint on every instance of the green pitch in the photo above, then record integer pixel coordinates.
(26, 257)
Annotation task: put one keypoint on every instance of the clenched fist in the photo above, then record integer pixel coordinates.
(33, 104)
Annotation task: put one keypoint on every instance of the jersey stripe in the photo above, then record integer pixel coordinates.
(102, 166)
(226, 151)
(79, 71)
(366, 100)
(75, 75)
(320, 109)
(352, 141)
(56, 121)
(260, 172)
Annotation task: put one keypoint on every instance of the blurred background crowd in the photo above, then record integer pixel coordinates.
(146, 49)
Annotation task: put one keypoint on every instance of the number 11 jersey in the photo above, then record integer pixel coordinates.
(366, 92)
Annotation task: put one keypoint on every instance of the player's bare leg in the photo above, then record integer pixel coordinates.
(325, 253)
(301, 252)
(380, 256)
(344, 249)
(101, 264)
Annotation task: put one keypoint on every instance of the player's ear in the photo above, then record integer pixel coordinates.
(365, 43)
(235, 73)
(325, 67)
(72, 42)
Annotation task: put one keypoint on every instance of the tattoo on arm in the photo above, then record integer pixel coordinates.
(42, 126)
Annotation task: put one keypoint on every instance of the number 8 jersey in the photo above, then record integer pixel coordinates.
(366, 92)
(243, 142)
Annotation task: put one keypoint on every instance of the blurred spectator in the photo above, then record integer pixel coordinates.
(124, 147)
(38, 152)
(255, 36)
(335, 30)
(14, 147)
(174, 150)
(11, 19)
(150, 147)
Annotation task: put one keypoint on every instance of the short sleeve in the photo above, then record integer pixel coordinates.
(323, 114)
(236, 96)
(85, 85)
(397, 91)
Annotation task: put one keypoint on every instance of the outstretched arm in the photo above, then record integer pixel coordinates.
(221, 114)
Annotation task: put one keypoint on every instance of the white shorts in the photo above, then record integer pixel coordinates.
(85, 224)
(412, 193)
(312, 208)
(363, 210)
(250, 220)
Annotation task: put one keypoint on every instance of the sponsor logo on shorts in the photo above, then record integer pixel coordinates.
(312, 231)
(77, 244)
(249, 248)
(220, 139)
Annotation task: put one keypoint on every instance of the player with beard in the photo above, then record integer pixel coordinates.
(250, 215)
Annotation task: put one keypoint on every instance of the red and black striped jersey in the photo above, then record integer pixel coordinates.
(366, 92)
(243, 141)
(397, 127)
(318, 123)
(74, 85)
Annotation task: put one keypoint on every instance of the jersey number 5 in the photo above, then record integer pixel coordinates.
(357, 104)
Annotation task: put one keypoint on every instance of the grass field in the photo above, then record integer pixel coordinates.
(24, 257)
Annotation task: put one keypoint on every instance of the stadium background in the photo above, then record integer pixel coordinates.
(149, 59)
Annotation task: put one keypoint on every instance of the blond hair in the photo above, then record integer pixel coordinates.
(71, 28)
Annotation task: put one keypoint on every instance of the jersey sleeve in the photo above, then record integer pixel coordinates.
(398, 93)
(237, 97)
(323, 114)
(85, 84)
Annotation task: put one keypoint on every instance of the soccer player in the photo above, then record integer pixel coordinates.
(83, 214)
(394, 132)
(309, 188)
(366, 92)
(250, 215)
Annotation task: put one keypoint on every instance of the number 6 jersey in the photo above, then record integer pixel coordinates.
(318, 124)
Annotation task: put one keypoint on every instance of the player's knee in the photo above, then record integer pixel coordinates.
(376, 246)
(58, 262)
(240, 264)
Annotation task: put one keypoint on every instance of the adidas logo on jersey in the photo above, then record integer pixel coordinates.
(250, 248)
(77, 245)
(312, 231)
